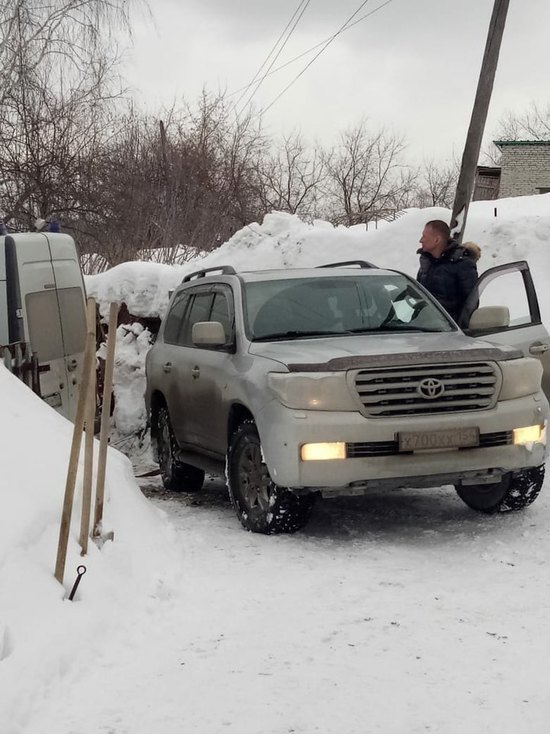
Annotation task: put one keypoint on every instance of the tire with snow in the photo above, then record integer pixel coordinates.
(260, 504)
(176, 476)
(514, 492)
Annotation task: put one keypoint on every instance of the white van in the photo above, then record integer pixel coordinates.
(42, 304)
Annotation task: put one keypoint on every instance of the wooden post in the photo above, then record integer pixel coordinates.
(105, 416)
(472, 146)
(88, 459)
(89, 356)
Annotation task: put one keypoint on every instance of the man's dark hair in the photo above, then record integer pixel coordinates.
(441, 228)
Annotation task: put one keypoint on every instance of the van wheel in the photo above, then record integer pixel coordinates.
(260, 504)
(176, 476)
(515, 491)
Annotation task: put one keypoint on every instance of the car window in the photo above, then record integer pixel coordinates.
(221, 312)
(199, 310)
(339, 306)
(174, 319)
(497, 293)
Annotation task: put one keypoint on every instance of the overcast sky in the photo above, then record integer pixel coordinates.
(411, 67)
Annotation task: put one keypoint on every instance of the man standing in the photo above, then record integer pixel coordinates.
(447, 270)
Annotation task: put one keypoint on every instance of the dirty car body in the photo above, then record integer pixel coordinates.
(332, 381)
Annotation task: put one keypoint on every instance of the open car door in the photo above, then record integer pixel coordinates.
(503, 308)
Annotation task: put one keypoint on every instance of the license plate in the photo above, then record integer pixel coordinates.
(451, 438)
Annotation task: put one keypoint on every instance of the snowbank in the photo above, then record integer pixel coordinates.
(40, 630)
(506, 229)
(520, 230)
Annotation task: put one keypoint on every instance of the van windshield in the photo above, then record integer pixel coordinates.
(339, 306)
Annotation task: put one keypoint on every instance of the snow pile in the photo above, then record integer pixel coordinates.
(520, 230)
(129, 420)
(39, 629)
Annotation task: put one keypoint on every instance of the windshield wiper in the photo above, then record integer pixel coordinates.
(294, 334)
(385, 328)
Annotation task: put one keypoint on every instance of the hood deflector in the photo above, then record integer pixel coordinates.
(406, 358)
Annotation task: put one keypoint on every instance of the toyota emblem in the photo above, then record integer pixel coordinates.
(430, 388)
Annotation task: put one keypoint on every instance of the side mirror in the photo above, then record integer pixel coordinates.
(489, 318)
(208, 333)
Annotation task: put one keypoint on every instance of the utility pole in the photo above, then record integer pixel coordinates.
(465, 185)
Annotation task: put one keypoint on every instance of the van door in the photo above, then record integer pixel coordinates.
(4, 330)
(511, 285)
(53, 309)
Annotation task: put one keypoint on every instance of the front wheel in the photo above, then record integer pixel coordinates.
(515, 491)
(176, 476)
(260, 504)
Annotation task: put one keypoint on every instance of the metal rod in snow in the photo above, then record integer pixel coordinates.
(472, 146)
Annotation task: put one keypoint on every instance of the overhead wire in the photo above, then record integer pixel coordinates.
(265, 61)
(326, 43)
(325, 46)
(309, 50)
(260, 81)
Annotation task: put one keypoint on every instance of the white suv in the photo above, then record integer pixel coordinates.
(333, 380)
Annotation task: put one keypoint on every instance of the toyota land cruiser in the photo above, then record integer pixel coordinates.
(329, 381)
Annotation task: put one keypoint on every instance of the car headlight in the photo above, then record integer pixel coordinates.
(322, 391)
(323, 451)
(520, 377)
(529, 435)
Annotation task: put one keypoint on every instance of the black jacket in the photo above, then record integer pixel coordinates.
(451, 277)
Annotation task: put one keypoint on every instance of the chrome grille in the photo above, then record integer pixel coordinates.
(396, 391)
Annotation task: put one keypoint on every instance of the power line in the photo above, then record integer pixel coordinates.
(306, 67)
(265, 61)
(260, 81)
(309, 50)
(347, 25)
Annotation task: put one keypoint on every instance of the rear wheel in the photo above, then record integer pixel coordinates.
(176, 476)
(515, 491)
(260, 504)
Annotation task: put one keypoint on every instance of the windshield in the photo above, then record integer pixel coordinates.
(339, 306)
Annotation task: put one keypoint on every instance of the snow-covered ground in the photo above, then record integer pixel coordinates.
(393, 613)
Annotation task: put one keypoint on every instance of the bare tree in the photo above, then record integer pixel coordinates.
(73, 31)
(48, 138)
(436, 185)
(57, 85)
(175, 186)
(530, 124)
(365, 178)
(291, 178)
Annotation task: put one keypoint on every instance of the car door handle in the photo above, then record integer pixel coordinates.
(196, 372)
(167, 366)
(537, 348)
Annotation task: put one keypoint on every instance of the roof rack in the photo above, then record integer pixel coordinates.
(223, 269)
(358, 263)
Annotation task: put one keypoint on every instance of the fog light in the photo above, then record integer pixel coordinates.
(529, 434)
(322, 451)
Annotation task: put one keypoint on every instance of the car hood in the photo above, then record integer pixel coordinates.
(363, 351)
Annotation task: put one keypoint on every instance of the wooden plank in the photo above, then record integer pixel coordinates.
(105, 416)
(88, 461)
(72, 469)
